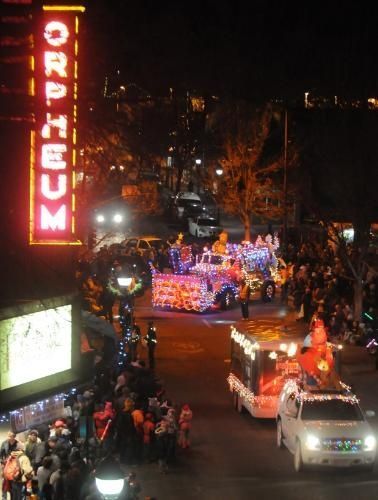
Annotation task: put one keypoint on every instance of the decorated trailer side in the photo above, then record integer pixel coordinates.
(260, 369)
(181, 292)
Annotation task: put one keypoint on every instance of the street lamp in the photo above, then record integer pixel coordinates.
(110, 479)
(219, 171)
(198, 161)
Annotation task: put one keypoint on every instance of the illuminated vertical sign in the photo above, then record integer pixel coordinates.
(53, 145)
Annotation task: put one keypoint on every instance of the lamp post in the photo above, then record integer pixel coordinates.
(284, 232)
(198, 173)
(219, 173)
(110, 479)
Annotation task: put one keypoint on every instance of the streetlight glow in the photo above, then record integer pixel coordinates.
(108, 487)
(110, 479)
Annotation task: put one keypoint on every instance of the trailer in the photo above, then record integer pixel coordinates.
(259, 371)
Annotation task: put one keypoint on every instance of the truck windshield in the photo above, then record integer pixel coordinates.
(207, 222)
(331, 409)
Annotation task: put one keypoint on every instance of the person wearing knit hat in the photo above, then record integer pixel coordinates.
(32, 446)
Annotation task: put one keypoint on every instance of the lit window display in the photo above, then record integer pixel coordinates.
(35, 345)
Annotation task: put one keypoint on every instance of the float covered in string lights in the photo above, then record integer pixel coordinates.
(215, 275)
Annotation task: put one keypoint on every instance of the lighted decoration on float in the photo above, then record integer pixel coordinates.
(269, 376)
(184, 292)
(53, 142)
(292, 386)
(216, 274)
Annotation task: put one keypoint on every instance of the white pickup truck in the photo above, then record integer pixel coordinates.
(324, 428)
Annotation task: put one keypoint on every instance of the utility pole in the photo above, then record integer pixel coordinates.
(284, 233)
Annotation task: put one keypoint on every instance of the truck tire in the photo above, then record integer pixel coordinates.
(237, 402)
(268, 291)
(280, 443)
(298, 462)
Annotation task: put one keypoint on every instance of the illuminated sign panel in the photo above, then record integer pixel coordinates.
(36, 345)
(53, 148)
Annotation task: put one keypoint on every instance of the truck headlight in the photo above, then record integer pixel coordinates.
(312, 442)
(370, 443)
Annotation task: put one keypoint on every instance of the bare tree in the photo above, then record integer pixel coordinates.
(250, 183)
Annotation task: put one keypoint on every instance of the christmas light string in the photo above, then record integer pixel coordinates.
(256, 400)
(292, 386)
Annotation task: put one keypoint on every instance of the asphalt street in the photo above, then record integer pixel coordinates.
(234, 456)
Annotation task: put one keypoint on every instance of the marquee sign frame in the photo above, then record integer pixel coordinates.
(54, 141)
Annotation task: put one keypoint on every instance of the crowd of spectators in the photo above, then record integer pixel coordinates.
(316, 283)
(124, 414)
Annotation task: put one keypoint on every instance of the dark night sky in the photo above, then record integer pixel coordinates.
(247, 48)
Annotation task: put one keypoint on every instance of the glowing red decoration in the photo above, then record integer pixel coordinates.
(53, 149)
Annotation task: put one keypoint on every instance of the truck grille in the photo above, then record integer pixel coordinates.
(342, 445)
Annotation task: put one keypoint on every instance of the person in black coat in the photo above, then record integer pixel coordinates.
(151, 341)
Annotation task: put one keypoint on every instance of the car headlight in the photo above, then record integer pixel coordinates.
(100, 218)
(117, 218)
(370, 443)
(312, 442)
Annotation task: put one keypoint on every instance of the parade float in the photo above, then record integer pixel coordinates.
(212, 278)
(261, 369)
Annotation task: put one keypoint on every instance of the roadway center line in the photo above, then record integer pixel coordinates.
(206, 323)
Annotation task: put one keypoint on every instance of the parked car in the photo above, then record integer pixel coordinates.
(186, 204)
(143, 244)
(203, 226)
(325, 428)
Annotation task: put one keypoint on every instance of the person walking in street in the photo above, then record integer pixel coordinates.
(185, 424)
(151, 341)
(244, 292)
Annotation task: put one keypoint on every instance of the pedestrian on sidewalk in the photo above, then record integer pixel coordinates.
(244, 293)
(151, 341)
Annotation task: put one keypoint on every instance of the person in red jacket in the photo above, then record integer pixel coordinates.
(101, 420)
